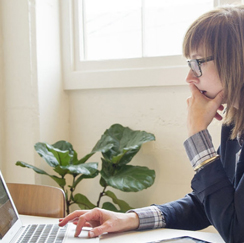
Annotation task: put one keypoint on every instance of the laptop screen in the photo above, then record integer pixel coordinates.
(7, 213)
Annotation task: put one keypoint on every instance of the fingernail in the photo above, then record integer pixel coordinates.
(92, 234)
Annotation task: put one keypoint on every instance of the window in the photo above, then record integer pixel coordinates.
(127, 43)
(118, 29)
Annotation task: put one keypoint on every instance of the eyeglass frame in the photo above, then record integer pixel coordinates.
(199, 62)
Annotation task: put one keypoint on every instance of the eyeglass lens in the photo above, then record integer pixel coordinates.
(193, 64)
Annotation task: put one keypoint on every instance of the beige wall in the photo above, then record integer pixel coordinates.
(1, 96)
(159, 110)
(34, 107)
(19, 89)
(53, 101)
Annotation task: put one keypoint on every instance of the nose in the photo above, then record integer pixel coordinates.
(191, 78)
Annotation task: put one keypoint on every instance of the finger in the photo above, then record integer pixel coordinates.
(218, 116)
(218, 99)
(61, 221)
(194, 89)
(98, 231)
(79, 226)
(83, 219)
(221, 108)
(71, 217)
(64, 221)
(86, 224)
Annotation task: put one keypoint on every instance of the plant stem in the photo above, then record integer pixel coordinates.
(101, 195)
(67, 206)
(70, 201)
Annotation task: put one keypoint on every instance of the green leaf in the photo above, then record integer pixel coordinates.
(60, 153)
(63, 152)
(130, 178)
(60, 171)
(109, 206)
(83, 201)
(124, 206)
(125, 156)
(84, 159)
(42, 150)
(119, 144)
(86, 169)
(61, 181)
(102, 182)
(80, 178)
(63, 157)
(108, 169)
(63, 146)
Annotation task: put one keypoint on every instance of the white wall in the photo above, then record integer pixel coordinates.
(158, 110)
(1, 97)
(35, 106)
(20, 92)
(53, 101)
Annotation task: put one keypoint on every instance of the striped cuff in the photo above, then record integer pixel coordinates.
(150, 217)
(199, 148)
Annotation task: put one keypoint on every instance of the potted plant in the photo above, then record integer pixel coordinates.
(118, 145)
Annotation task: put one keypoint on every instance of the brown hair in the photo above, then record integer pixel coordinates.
(220, 33)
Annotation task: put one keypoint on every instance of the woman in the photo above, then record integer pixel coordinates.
(214, 45)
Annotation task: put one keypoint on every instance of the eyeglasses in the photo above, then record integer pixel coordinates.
(195, 65)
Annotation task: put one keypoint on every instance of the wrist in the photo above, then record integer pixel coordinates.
(195, 130)
(132, 221)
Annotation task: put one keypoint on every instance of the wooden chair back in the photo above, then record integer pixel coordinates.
(38, 200)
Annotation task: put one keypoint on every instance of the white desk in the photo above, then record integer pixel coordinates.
(136, 236)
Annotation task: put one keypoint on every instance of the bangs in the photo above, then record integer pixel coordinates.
(201, 34)
(192, 41)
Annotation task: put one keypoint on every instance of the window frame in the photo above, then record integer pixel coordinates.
(118, 73)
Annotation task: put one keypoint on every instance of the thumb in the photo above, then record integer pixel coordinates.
(97, 231)
(194, 89)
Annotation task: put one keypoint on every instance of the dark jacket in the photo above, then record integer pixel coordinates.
(217, 198)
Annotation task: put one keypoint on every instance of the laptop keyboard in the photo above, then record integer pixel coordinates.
(43, 233)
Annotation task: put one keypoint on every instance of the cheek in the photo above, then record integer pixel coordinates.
(214, 88)
(218, 86)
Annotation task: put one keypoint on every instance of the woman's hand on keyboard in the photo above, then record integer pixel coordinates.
(101, 221)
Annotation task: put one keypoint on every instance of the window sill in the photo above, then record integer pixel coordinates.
(149, 77)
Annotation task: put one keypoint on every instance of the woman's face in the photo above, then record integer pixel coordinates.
(209, 83)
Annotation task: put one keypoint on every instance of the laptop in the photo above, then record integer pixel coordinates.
(13, 231)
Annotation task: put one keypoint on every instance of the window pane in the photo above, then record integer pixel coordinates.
(116, 29)
(112, 29)
(166, 22)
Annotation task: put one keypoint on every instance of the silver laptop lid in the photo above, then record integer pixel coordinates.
(10, 222)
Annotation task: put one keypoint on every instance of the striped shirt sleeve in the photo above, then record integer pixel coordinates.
(150, 217)
(199, 148)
